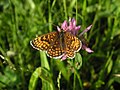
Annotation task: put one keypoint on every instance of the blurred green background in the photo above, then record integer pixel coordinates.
(24, 68)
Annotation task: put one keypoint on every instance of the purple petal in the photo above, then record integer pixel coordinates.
(87, 49)
(64, 25)
(64, 57)
(87, 29)
(59, 30)
(72, 23)
(77, 28)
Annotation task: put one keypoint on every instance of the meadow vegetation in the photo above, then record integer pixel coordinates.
(24, 68)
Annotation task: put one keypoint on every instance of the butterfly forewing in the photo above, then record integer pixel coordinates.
(43, 42)
(72, 44)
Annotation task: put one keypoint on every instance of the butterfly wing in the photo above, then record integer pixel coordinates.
(43, 42)
(50, 43)
(72, 44)
(56, 50)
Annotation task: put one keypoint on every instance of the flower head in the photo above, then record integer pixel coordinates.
(71, 27)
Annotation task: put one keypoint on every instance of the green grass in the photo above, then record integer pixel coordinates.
(23, 68)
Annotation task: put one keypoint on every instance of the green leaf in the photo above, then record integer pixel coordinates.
(9, 78)
(46, 77)
(44, 61)
(34, 79)
(63, 69)
(78, 61)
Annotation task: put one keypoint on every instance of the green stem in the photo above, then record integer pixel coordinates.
(50, 17)
(65, 9)
(76, 10)
(74, 83)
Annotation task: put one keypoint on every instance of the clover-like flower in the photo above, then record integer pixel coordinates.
(71, 27)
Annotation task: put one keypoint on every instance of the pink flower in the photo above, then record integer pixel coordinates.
(71, 27)
(87, 49)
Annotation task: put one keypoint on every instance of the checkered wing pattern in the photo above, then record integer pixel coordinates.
(57, 44)
(49, 43)
(56, 50)
(43, 42)
(72, 44)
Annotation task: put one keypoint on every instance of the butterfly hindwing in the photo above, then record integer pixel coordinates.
(55, 50)
(72, 44)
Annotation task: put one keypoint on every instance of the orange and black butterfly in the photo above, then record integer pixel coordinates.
(57, 44)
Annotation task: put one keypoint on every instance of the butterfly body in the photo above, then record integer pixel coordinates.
(57, 44)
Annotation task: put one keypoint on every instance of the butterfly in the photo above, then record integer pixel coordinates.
(57, 44)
